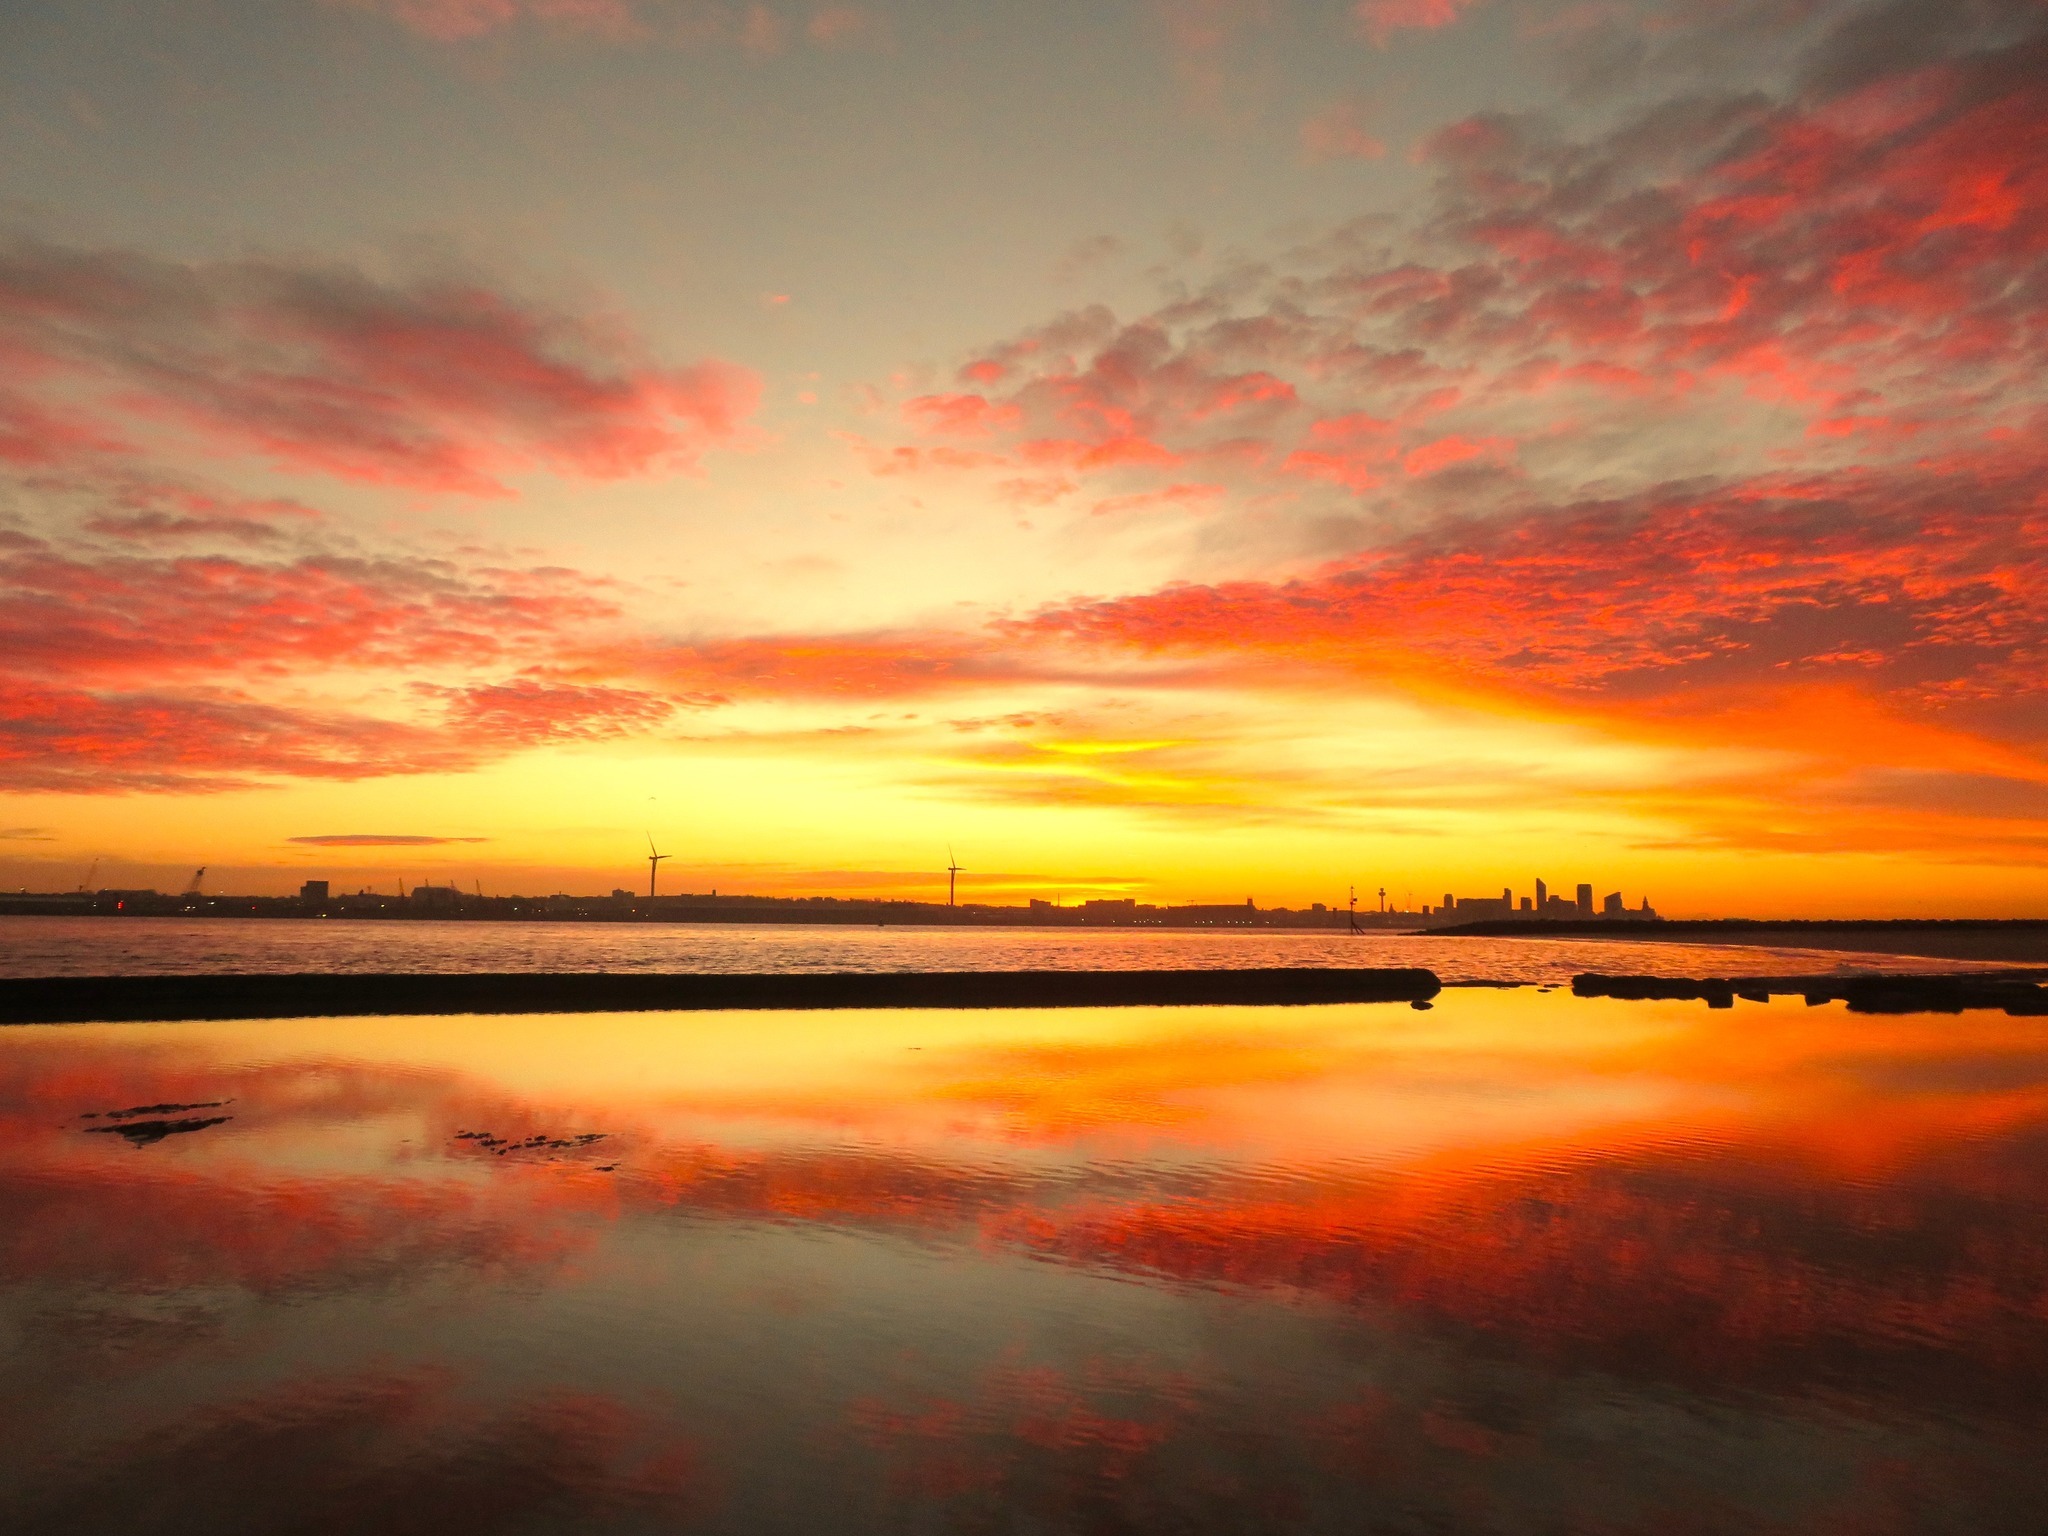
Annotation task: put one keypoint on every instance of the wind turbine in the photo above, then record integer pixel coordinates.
(953, 873)
(653, 864)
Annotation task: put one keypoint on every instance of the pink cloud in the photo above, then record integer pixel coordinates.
(108, 617)
(201, 739)
(1181, 497)
(875, 664)
(1855, 573)
(1935, 584)
(759, 30)
(140, 671)
(1730, 408)
(68, 741)
(960, 415)
(458, 21)
(1444, 452)
(137, 509)
(1854, 260)
(434, 385)
(840, 26)
(1381, 19)
(1339, 132)
(529, 713)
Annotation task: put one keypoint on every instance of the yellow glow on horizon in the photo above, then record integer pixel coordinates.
(1418, 803)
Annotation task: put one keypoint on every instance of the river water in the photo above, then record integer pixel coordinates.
(1522, 1263)
(74, 946)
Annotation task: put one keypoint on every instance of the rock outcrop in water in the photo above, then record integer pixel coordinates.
(78, 999)
(145, 1124)
(2015, 992)
(144, 1133)
(500, 1146)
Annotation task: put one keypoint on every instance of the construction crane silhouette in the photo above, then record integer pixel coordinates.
(654, 859)
(192, 885)
(953, 873)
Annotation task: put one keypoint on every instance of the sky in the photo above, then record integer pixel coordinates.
(1182, 449)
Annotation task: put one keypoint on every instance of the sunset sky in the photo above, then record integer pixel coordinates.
(1185, 449)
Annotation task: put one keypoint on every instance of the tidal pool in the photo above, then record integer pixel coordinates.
(1521, 1262)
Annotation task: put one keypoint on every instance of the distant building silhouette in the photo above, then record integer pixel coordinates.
(1472, 909)
(313, 890)
(1543, 905)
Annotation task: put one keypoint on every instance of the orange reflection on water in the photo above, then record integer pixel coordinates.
(1780, 1200)
(1200, 1142)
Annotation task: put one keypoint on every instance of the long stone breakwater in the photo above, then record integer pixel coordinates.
(79, 999)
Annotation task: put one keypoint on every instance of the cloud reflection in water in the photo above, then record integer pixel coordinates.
(1524, 1262)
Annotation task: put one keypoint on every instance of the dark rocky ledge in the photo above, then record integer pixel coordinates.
(2022, 941)
(78, 999)
(2016, 992)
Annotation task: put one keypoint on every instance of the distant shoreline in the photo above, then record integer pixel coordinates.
(447, 907)
(2022, 939)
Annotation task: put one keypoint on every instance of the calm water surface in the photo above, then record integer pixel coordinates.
(1521, 1263)
(74, 946)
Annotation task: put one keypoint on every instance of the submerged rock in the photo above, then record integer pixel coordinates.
(142, 1133)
